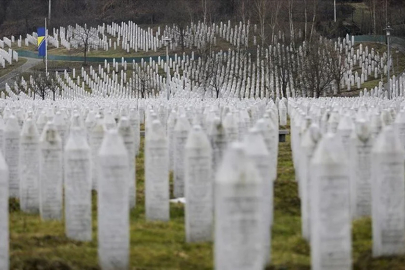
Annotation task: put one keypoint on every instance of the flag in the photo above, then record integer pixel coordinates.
(41, 41)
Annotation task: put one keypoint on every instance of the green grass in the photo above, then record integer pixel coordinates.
(9, 68)
(36, 244)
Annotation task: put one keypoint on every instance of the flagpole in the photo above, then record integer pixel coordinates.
(46, 50)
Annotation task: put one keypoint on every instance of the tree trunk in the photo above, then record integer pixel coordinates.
(181, 29)
(85, 55)
(306, 20)
(313, 20)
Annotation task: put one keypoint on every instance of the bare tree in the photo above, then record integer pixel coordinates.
(179, 11)
(214, 70)
(205, 10)
(43, 85)
(262, 11)
(86, 38)
(274, 16)
(244, 11)
(290, 5)
(337, 67)
(321, 66)
(315, 8)
(142, 83)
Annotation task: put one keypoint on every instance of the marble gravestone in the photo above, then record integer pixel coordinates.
(134, 122)
(360, 160)
(330, 208)
(198, 186)
(128, 135)
(29, 167)
(344, 131)
(77, 158)
(388, 198)
(11, 154)
(171, 123)
(309, 142)
(50, 173)
(156, 174)
(62, 128)
(113, 203)
(180, 136)
(282, 113)
(96, 138)
(256, 150)
(4, 221)
(230, 127)
(238, 213)
(270, 137)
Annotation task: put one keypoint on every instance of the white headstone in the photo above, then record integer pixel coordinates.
(238, 213)
(4, 222)
(171, 123)
(11, 154)
(309, 141)
(330, 208)
(50, 173)
(180, 136)
(29, 167)
(156, 174)
(198, 186)
(77, 158)
(113, 203)
(256, 150)
(96, 138)
(128, 135)
(388, 197)
(360, 160)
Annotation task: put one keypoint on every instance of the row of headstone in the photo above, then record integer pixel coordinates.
(77, 146)
(348, 155)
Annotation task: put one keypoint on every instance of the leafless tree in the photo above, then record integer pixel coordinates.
(337, 66)
(243, 11)
(315, 8)
(290, 5)
(215, 71)
(43, 85)
(321, 66)
(274, 16)
(142, 83)
(262, 11)
(180, 12)
(85, 38)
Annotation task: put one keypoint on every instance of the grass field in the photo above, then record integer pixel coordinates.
(156, 245)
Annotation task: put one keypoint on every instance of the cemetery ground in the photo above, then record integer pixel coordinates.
(398, 59)
(36, 244)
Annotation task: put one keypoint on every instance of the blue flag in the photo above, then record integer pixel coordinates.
(41, 41)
